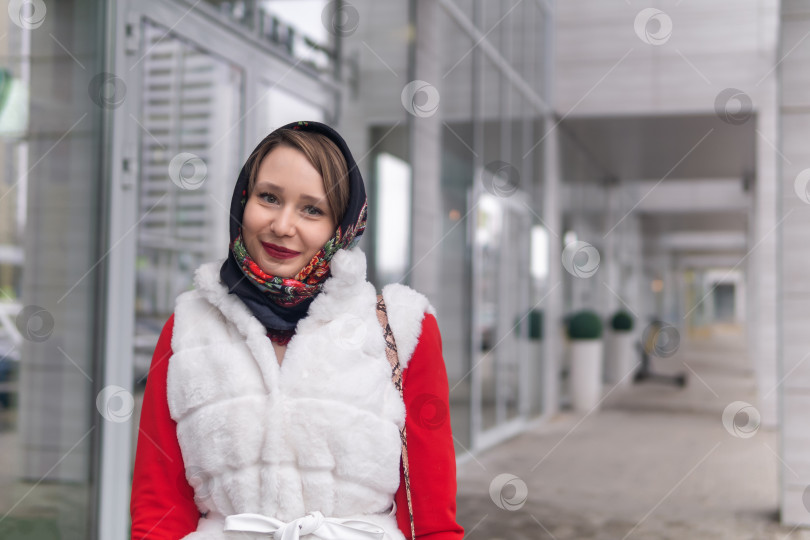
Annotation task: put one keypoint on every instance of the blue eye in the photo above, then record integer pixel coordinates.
(313, 211)
(268, 197)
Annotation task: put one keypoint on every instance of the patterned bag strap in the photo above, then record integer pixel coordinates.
(396, 377)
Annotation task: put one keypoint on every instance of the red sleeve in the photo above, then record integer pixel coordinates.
(162, 504)
(431, 457)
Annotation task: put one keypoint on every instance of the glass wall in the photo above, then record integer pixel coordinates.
(502, 100)
(191, 106)
(194, 113)
(460, 155)
(183, 114)
(54, 96)
(474, 84)
(203, 86)
(190, 100)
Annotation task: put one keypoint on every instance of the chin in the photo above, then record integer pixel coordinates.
(284, 271)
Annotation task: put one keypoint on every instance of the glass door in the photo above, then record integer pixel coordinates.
(501, 276)
(188, 146)
(191, 93)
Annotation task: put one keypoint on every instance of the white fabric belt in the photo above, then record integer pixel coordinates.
(313, 523)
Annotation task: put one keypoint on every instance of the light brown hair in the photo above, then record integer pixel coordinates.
(322, 153)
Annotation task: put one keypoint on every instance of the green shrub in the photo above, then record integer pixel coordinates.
(585, 325)
(535, 324)
(621, 321)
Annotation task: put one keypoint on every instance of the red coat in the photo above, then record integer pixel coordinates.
(162, 504)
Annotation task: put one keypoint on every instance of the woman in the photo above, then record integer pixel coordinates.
(300, 438)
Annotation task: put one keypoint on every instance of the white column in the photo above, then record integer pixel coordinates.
(610, 258)
(793, 259)
(425, 143)
(552, 305)
(762, 261)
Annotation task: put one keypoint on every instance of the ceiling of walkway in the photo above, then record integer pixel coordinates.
(675, 148)
(652, 147)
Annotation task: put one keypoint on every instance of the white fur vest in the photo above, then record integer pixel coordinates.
(320, 432)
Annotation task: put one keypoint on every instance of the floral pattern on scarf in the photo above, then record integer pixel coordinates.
(309, 280)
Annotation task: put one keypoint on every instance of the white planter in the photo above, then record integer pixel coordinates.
(535, 375)
(620, 358)
(586, 373)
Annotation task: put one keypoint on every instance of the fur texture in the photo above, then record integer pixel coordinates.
(321, 431)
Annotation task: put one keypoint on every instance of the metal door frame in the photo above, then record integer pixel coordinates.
(483, 438)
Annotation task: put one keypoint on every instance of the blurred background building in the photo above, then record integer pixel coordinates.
(524, 160)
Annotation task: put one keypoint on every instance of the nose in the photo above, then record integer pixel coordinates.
(283, 223)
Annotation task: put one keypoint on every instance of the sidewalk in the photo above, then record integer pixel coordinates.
(655, 463)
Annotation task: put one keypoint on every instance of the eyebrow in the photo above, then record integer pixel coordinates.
(269, 185)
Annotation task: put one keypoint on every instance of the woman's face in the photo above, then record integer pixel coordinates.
(287, 218)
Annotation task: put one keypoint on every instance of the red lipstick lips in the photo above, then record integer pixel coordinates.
(279, 252)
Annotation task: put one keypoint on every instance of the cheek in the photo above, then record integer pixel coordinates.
(318, 236)
(251, 219)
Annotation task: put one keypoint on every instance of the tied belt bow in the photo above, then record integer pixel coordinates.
(313, 523)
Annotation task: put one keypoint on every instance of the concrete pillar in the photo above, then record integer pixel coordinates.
(762, 261)
(425, 138)
(610, 260)
(634, 282)
(740, 306)
(553, 303)
(793, 260)
(665, 300)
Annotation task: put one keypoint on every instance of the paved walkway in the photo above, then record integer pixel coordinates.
(655, 463)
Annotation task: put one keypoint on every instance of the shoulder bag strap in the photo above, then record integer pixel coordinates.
(396, 377)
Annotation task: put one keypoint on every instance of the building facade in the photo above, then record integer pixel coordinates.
(524, 160)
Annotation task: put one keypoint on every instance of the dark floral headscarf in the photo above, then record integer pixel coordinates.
(279, 303)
